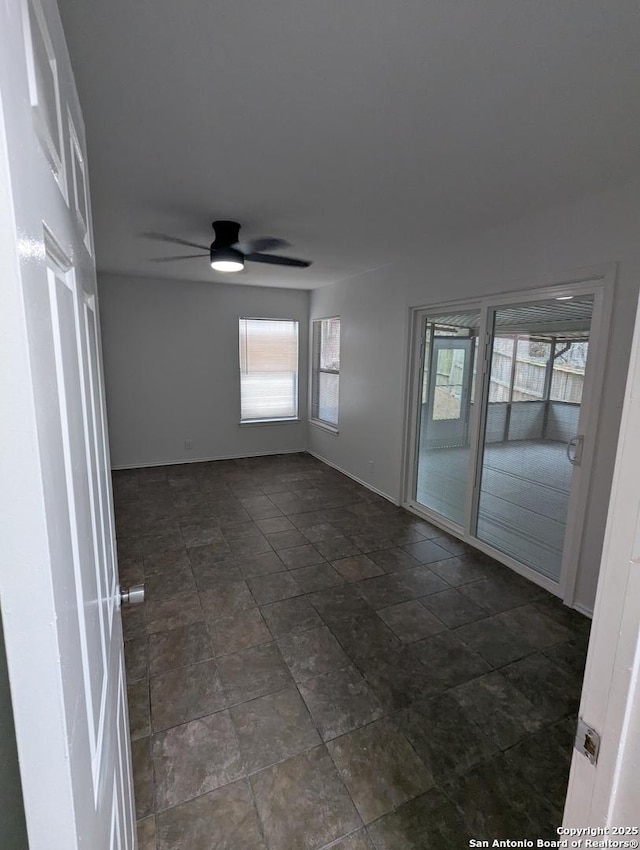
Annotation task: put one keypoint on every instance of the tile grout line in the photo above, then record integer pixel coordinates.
(326, 624)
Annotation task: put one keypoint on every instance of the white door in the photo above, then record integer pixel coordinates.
(58, 574)
(607, 793)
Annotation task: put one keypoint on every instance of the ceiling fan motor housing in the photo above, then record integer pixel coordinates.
(227, 233)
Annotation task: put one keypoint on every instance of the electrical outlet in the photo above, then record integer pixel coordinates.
(371, 466)
(188, 444)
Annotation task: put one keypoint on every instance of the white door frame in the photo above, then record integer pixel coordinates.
(598, 281)
(608, 793)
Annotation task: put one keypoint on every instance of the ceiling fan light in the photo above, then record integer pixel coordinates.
(226, 260)
(227, 265)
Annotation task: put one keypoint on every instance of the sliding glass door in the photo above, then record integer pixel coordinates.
(531, 439)
(498, 433)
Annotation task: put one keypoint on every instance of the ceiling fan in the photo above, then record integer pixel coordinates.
(227, 253)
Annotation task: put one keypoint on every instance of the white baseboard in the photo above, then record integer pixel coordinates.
(181, 461)
(582, 609)
(354, 478)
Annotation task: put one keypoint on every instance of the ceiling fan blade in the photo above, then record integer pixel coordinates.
(274, 260)
(181, 257)
(164, 237)
(267, 243)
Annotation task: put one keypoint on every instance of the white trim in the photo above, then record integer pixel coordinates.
(314, 372)
(435, 518)
(411, 386)
(457, 531)
(583, 609)
(485, 343)
(354, 478)
(407, 445)
(521, 569)
(588, 424)
(324, 426)
(181, 461)
(244, 334)
(262, 318)
(244, 422)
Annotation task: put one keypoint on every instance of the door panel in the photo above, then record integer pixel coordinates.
(538, 362)
(44, 88)
(103, 511)
(60, 603)
(89, 595)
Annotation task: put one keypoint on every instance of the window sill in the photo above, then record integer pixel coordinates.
(324, 426)
(284, 421)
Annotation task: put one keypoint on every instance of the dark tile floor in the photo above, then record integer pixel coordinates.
(314, 667)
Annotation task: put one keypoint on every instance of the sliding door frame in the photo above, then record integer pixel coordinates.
(596, 281)
(418, 321)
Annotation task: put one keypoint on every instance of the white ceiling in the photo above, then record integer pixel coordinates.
(362, 131)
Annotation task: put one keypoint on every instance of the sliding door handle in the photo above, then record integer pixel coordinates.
(574, 449)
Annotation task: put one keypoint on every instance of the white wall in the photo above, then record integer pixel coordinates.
(171, 369)
(374, 329)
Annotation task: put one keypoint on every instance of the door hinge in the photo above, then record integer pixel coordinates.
(587, 741)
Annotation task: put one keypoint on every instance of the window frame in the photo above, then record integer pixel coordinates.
(317, 370)
(272, 420)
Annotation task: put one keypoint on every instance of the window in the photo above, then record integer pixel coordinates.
(268, 370)
(569, 367)
(544, 369)
(325, 371)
